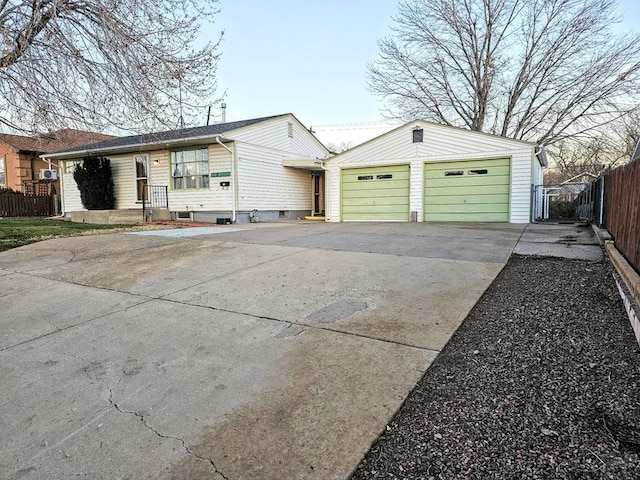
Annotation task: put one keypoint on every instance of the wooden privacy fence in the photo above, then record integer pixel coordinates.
(622, 202)
(19, 205)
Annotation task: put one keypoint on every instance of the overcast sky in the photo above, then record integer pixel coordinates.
(309, 58)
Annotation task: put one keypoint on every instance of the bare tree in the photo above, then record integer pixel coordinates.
(100, 63)
(343, 146)
(539, 70)
(609, 147)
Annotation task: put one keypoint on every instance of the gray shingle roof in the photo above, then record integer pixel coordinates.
(168, 136)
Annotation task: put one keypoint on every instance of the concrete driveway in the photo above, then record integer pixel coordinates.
(268, 351)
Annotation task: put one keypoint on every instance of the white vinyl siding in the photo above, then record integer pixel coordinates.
(274, 134)
(124, 180)
(264, 184)
(70, 193)
(440, 144)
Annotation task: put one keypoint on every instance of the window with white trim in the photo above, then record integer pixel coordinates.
(70, 165)
(3, 178)
(190, 169)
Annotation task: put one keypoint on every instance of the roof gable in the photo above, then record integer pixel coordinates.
(436, 136)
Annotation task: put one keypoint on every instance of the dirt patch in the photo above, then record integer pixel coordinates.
(311, 421)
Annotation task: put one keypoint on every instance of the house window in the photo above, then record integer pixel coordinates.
(3, 178)
(70, 165)
(190, 169)
(142, 175)
(417, 135)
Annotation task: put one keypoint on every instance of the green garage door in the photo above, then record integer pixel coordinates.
(472, 191)
(376, 193)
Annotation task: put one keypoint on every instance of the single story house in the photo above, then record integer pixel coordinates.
(423, 171)
(271, 165)
(20, 162)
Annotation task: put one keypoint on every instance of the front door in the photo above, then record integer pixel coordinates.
(318, 200)
(142, 175)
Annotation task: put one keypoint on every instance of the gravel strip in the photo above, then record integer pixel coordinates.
(541, 381)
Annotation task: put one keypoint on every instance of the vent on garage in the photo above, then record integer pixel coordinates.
(417, 135)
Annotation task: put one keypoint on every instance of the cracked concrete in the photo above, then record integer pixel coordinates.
(574, 241)
(182, 442)
(271, 351)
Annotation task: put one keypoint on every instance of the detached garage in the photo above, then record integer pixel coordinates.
(428, 172)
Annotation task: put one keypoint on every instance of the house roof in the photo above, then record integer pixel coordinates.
(133, 142)
(53, 141)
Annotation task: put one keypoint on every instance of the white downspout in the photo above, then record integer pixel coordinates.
(233, 182)
(327, 193)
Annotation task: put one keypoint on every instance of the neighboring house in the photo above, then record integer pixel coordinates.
(20, 155)
(635, 155)
(272, 165)
(424, 171)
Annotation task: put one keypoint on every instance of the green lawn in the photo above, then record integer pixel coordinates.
(15, 232)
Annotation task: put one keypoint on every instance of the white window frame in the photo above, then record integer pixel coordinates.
(192, 174)
(142, 158)
(70, 165)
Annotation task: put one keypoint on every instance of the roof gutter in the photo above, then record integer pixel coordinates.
(541, 155)
(132, 147)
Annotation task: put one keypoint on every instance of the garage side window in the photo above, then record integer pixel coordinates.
(190, 169)
(3, 178)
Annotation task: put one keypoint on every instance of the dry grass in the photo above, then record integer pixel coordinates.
(16, 232)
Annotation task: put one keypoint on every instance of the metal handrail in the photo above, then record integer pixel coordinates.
(154, 196)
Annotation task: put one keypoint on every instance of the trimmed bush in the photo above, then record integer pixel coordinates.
(95, 182)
